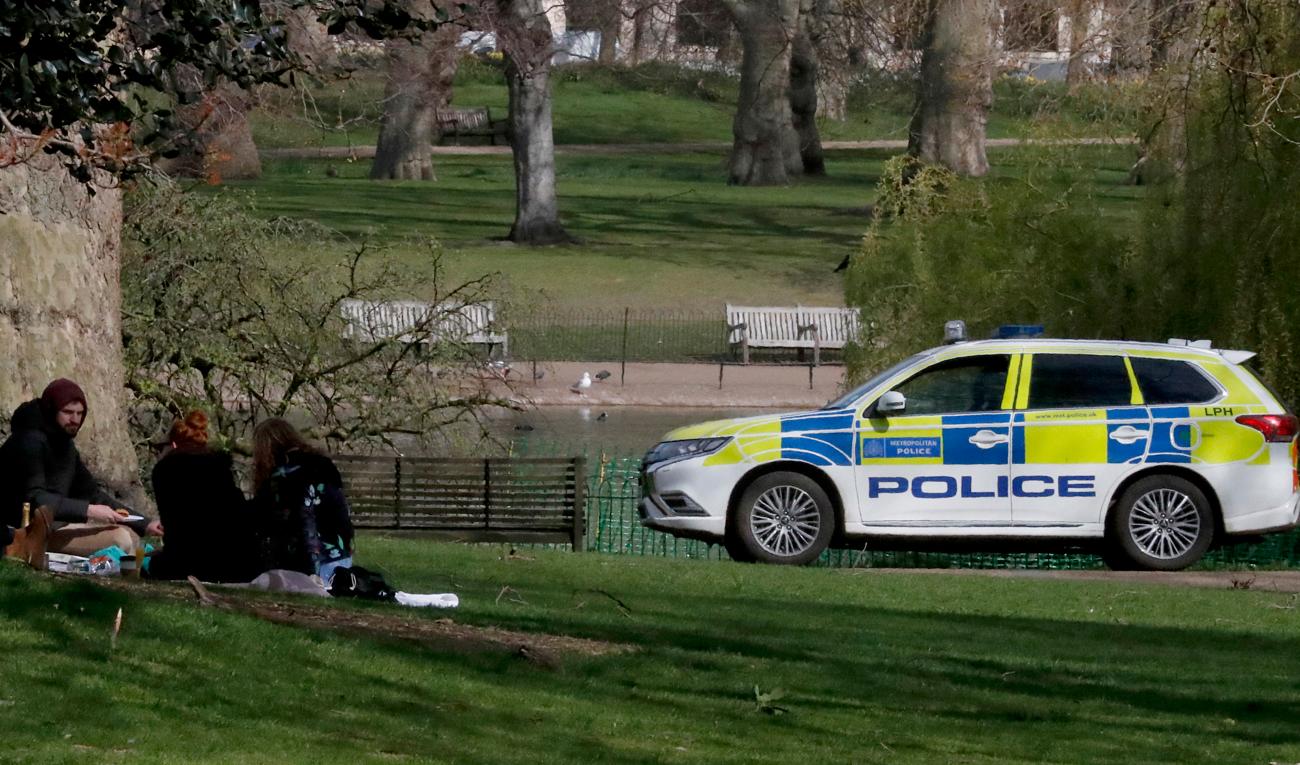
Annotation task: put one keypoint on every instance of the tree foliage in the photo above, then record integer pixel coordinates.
(1208, 253)
(96, 81)
(72, 66)
(216, 317)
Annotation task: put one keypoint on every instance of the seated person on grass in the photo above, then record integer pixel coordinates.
(207, 519)
(40, 467)
(300, 512)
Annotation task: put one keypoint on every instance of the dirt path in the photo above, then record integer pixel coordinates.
(368, 152)
(676, 385)
(1265, 581)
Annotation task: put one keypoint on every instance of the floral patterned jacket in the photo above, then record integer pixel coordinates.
(302, 515)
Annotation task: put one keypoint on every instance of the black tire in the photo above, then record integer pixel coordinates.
(1161, 523)
(783, 518)
(736, 548)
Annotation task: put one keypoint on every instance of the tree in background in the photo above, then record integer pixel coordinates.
(1223, 230)
(1176, 31)
(524, 36)
(1209, 256)
(765, 150)
(419, 83)
(273, 342)
(805, 73)
(955, 85)
(81, 105)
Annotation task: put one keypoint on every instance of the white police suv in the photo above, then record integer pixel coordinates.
(1156, 450)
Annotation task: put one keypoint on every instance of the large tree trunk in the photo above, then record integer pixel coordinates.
(525, 37)
(1079, 13)
(219, 145)
(308, 38)
(836, 61)
(611, 18)
(647, 31)
(1127, 22)
(955, 89)
(60, 306)
(420, 75)
(805, 71)
(1162, 151)
(766, 147)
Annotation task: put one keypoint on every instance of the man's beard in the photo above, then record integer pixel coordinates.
(71, 430)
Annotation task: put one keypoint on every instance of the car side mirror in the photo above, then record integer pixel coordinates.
(892, 402)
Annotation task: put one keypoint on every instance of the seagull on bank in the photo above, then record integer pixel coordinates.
(581, 386)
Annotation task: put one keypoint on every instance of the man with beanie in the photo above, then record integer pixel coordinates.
(40, 466)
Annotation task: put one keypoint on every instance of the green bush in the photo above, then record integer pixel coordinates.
(1039, 249)
(1212, 251)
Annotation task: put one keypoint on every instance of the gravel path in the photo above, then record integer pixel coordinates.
(677, 385)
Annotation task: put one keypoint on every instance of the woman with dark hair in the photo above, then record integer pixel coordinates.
(302, 515)
(204, 514)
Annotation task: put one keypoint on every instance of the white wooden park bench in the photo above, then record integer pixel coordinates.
(472, 323)
(800, 327)
(470, 122)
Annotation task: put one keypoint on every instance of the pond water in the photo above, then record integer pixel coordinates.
(616, 430)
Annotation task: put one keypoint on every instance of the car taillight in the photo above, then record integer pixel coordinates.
(1275, 427)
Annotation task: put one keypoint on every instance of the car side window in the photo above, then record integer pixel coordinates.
(1072, 381)
(971, 384)
(1167, 381)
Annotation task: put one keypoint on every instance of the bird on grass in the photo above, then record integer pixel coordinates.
(581, 386)
(602, 375)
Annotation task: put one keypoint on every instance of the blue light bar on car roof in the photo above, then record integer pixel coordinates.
(1012, 331)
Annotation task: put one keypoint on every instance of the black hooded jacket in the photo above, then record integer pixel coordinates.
(207, 520)
(39, 464)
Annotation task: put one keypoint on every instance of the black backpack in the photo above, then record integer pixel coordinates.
(358, 582)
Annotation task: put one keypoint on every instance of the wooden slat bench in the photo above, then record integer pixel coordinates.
(473, 500)
(471, 122)
(472, 323)
(800, 327)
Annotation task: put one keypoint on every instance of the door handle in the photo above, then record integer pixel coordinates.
(1127, 434)
(987, 439)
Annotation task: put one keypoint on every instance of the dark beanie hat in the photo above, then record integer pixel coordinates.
(60, 393)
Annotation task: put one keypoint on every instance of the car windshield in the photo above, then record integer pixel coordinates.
(858, 392)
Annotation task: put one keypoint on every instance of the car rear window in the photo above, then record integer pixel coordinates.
(1065, 381)
(1167, 381)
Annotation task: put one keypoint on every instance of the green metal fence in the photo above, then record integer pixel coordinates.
(613, 526)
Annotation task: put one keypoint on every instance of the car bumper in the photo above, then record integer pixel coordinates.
(675, 501)
(654, 517)
(1280, 518)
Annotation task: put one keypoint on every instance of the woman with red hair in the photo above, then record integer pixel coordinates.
(204, 514)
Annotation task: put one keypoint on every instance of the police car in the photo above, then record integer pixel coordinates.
(1157, 451)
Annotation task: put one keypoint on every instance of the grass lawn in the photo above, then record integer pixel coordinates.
(888, 668)
(660, 103)
(658, 231)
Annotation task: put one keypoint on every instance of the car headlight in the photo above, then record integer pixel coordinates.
(671, 451)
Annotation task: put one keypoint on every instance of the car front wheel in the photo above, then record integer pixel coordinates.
(783, 518)
(1161, 523)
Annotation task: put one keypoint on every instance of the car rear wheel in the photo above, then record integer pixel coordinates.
(783, 518)
(1161, 523)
